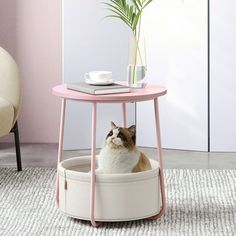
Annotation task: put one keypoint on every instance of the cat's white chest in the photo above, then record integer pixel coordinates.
(117, 160)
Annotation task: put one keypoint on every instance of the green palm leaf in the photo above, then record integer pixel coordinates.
(146, 3)
(129, 13)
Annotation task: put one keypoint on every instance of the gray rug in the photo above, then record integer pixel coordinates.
(200, 202)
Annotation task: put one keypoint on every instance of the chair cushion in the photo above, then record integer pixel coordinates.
(6, 116)
(10, 84)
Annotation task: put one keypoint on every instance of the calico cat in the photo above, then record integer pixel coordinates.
(120, 154)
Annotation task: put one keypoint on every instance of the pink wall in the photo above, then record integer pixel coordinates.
(37, 49)
(8, 25)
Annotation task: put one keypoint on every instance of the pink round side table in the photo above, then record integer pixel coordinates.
(151, 92)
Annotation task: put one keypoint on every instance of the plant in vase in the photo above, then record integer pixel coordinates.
(130, 12)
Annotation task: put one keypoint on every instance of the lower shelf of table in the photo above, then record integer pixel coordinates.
(118, 197)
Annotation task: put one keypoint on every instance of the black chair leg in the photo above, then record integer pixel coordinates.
(17, 145)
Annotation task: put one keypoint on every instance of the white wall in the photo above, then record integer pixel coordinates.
(176, 36)
(223, 75)
(92, 43)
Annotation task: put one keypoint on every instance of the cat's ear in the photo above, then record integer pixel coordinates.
(132, 130)
(113, 126)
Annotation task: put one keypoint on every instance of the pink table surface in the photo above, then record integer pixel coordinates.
(150, 92)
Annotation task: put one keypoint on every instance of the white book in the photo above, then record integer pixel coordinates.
(98, 89)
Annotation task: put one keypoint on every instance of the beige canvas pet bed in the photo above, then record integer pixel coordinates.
(118, 197)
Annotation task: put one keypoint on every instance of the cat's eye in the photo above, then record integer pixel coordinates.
(120, 135)
(110, 133)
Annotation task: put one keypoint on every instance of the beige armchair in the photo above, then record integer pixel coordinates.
(10, 97)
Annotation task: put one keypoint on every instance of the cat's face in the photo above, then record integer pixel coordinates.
(120, 137)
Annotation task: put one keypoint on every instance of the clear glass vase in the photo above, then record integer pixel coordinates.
(137, 68)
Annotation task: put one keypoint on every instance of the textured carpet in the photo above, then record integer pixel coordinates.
(200, 202)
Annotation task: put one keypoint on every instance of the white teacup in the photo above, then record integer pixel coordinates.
(100, 76)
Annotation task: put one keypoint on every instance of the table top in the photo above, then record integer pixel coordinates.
(151, 91)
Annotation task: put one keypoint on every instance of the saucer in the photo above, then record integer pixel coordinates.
(91, 82)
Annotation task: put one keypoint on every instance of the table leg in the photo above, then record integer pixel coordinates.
(93, 166)
(159, 152)
(60, 146)
(124, 115)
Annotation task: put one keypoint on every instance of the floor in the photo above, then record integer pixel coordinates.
(45, 155)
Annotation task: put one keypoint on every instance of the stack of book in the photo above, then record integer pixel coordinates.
(98, 89)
